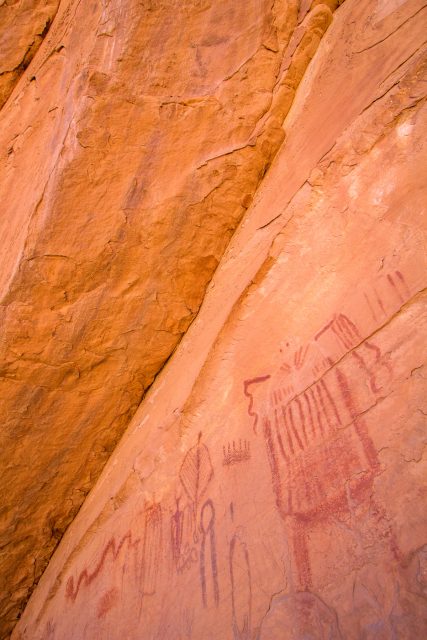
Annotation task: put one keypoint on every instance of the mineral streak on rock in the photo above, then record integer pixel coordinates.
(272, 477)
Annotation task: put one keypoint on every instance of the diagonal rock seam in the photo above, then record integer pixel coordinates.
(343, 250)
(267, 140)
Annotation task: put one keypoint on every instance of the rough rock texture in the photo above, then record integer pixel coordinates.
(271, 485)
(130, 149)
(23, 25)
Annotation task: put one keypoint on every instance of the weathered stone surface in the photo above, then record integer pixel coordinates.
(23, 25)
(272, 482)
(130, 149)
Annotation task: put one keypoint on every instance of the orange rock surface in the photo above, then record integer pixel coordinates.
(271, 483)
(23, 26)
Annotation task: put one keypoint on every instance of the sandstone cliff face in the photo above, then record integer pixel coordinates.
(271, 484)
(23, 25)
(130, 148)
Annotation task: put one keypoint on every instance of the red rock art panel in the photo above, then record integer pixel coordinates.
(147, 550)
(300, 356)
(297, 616)
(319, 450)
(107, 602)
(247, 390)
(241, 588)
(421, 570)
(208, 555)
(385, 294)
(111, 551)
(340, 336)
(50, 630)
(190, 542)
(195, 475)
(151, 549)
(236, 452)
(184, 552)
(187, 623)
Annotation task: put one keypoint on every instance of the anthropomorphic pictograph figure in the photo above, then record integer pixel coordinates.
(320, 454)
(208, 560)
(241, 588)
(195, 474)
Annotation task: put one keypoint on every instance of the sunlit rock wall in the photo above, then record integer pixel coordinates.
(271, 485)
(133, 138)
(23, 26)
